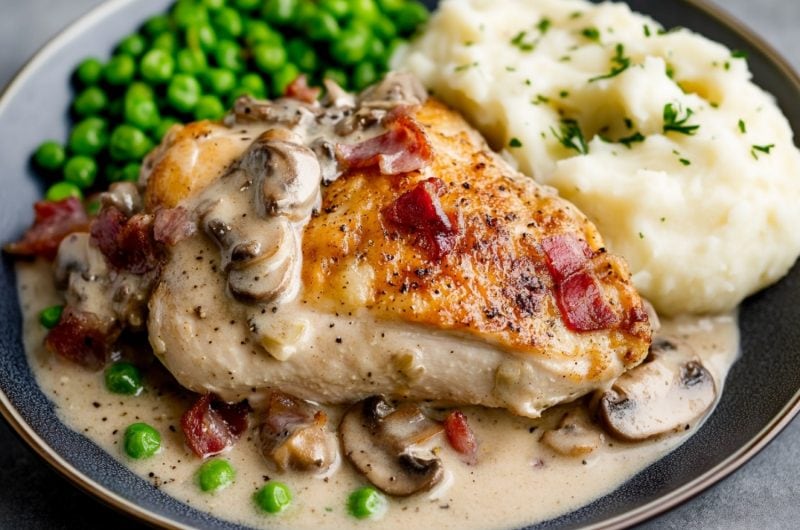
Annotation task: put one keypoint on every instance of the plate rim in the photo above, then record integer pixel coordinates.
(647, 511)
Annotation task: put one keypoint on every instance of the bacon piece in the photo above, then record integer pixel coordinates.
(212, 426)
(582, 304)
(565, 254)
(299, 89)
(53, 222)
(127, 244)
(403, 148)
(420, 212)
(578, 293)
(81, 337)
(460, 436)
(173, 225)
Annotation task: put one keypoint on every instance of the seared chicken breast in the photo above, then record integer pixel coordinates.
(377, 245)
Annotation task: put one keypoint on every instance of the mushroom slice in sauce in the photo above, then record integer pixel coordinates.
(380, 441)
(575, 434)
(666, 393)
(293, 435)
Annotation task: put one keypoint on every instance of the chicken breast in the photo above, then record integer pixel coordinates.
(423, 267)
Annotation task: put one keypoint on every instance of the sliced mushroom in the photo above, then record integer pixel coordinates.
(575, 434)
(293, 435)
(666, 393)
(381, 442)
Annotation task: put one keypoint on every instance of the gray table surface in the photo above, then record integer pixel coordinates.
(764, 493)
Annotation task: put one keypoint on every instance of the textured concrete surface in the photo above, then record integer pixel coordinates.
(762, 494)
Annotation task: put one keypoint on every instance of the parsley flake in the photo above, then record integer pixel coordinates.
(571, 137)
(462, 67)
(543, 25)
(593, 34)
(519, 42)
(514, 142)
(619, 62)
(634, 138)
(742, 127)
(674, 122)
(761, 149)
(646, 30)
(540, 99)
(684, 161)
(739, 54)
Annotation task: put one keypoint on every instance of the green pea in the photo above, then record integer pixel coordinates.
(283, 77)
(139, 91)
(280, 12)
(167, 42)
(247, 5)
(157, 66)
(391, 6)
(322, 26)
(166, 124)
(255, 84)
(228, 23)
(50, 156)
(187, 13)
(120, 70)
(364, 75)
(142, 113)
(128, 143)
(133, 45)
(202, 37)
(62, 190)
(352, 45)
(89, 71)
(183, 92)
(257, 31)
(141, 441)
(303, 55)
(303, 15)
(274, 497)
(130, 173)
(229, 55)
(93, 207)
(366, 503)
(123, 378)
(338, 8)
(377, 50)
(50, 316)
(209, 108)
(81, 171)
(214, 5)
(365, 10)
(191, 61)
(384, 28)
(219, 81)
(410, 16)
(90, 101)
(88, 137)
(157, 25)
(215, 475)
(269, 57)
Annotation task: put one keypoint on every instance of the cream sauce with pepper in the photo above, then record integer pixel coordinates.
(518, 479)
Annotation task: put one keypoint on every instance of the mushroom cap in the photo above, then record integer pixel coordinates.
(666, 393)
(575, 434)
(380, 441)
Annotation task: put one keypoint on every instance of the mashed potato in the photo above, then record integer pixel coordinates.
(687, 168)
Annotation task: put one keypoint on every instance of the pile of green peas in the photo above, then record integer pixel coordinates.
(192, 62)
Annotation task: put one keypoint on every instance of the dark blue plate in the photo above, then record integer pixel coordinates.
(758, 400)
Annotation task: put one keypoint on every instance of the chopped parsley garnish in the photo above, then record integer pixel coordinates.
(565, 59)
(563, 94)
(739, 54)
(646, 30)
(593, 34)
(462, 67)
(514, 142)
(540, 99)
(641, 235)
(576, 14)
(674, 122)
(670, 71)
(634, 138)
(543, 25)
(742, 127)
(628, 123)
(684, 161)
(571, 137)
(510, 69)
(619, 62)
(469, 43)
(761, 149)
(519, 42)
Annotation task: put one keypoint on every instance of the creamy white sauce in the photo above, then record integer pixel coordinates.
(513, 467)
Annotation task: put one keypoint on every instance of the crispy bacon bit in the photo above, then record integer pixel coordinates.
(53, 222)
(127, 244)
(565, 255)
(578, 293)
(460, 436)
(173, 225)
(419, 212)
(81, 337)
(403, 148)
(299, 89)
(211, 426)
